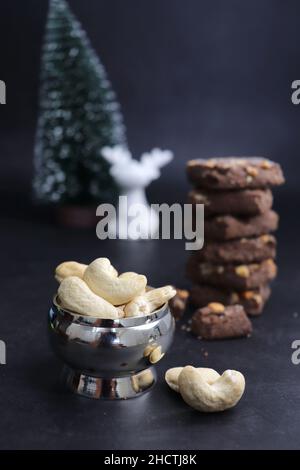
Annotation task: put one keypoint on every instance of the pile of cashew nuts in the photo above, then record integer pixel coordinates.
(206, 390)
(98, 290)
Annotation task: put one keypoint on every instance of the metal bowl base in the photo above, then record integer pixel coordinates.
(109, 388)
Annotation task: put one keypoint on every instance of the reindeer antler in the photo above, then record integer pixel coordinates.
(157, 158)
(117, 155)
(129, 172)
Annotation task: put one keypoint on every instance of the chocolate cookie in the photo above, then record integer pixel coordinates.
(219, 322)
(234, 173)
(253, 301)
(178, 303)
(240, 277)
(227, 227)
(241, 250)
(245, 202)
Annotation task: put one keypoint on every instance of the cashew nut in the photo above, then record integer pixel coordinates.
(103, 280)
(156, 355)
(69, 268)
(75, 295)
(172, 375)
(142, 380)
(149, 301)
(222, 394)
(149, 348)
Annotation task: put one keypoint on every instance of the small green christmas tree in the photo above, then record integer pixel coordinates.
(78, 116)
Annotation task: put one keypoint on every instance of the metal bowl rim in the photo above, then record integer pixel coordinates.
(89, 320)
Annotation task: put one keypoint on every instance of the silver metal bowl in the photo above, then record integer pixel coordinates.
(109, 358)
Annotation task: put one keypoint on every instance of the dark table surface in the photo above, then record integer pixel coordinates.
(35, 413)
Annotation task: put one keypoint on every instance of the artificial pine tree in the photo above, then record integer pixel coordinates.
(78, 116)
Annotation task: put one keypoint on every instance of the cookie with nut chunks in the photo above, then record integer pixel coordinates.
(237, 277)
(229, 227)
(178, 303)
(252, 300)
(237, 251)
(234, 173)
(240, 202)
(215, 321)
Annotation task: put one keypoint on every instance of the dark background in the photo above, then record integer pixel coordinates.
(199, 77)
(202, 78)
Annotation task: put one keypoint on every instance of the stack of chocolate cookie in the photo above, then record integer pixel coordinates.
(236, 263)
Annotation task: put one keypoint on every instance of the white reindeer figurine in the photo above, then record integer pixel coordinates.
(133, 177)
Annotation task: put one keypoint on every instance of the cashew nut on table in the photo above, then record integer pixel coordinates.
(172, 375)
(98, 290)
(204, 389)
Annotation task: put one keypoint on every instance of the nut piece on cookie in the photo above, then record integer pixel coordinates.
(242, 271)
(216, 307)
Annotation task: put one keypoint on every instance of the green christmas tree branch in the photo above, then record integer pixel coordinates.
(78, 116)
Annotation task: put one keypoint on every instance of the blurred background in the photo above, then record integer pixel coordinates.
(202, 78)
